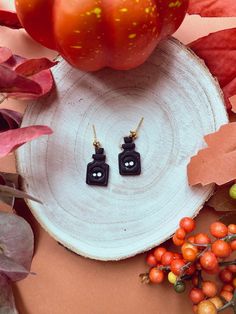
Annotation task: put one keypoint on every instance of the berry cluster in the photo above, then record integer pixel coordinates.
(199, 253)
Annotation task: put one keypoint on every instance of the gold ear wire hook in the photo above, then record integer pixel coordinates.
(134, 134)
(96, 143)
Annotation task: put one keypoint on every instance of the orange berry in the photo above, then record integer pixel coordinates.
(213, 271)
(180, 233)
(233, 245)
(234, 283)
(202, 238)
(189, 255)
(187, 223)
(151, 260)
(206, 307)
(218, 229)
(221, 248)
(208, 261)
(156, 275)
(191, 239)
(228, 287)
(196, 295)
(158, 252)
(226, 275)
(232, 228)
(217, 302)
(189, 246)
(177, 241)
(226, 295)
(209, 288)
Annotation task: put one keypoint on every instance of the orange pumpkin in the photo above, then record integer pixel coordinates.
(92, 34)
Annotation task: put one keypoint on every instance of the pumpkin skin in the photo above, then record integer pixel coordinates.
(92, 34)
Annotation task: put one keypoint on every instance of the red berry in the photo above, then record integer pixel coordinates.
(208, 261)
(221, 248)
(177, 256)
(232, 268)
(213, 271)
(209, 288)
(156, 275)
(158, 252)
(191, 239)
(177, 241)
(195, 280)
(187, 223)
(233, 245)
(232, 228)
(151, 260)
(218, 229)
(176, 266)
(189, 255)
(196, 295)
(167, 258)
(226, 276)
(226, 295)
(180, 233)
(202, 238)
(228, 287)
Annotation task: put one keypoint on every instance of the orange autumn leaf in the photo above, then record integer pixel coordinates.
(217, 162)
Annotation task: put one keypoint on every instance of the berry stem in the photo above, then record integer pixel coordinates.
(200, 279)
(228, 263)
(144, 278)
(229, 304)
(2, 98)
(229, 238)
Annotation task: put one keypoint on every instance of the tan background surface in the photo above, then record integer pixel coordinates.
(69, 284)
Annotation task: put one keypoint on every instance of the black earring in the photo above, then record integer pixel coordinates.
(97, 170)
(129, 159)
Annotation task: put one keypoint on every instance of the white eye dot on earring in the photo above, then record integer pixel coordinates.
(99, 174)
(131, 163)
(94, 174)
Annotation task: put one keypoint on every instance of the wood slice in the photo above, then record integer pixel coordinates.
(180, 102)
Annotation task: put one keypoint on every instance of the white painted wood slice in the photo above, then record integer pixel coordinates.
(180, 102)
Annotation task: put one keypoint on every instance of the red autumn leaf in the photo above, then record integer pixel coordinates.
(43, 78)
(12, 139)
(217, 162)
(14, 61)
(9, 19)
(33, 66)
(221, 201)
(5, 54)
(9, 119)
(11, 82)
(213, 8)
(218, 50)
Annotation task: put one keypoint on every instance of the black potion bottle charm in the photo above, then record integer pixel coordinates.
(129, 159)
(97, 170)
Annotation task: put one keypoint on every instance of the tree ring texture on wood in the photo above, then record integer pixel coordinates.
(180, 102)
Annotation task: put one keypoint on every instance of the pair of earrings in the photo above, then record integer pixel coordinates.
(129, 160)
